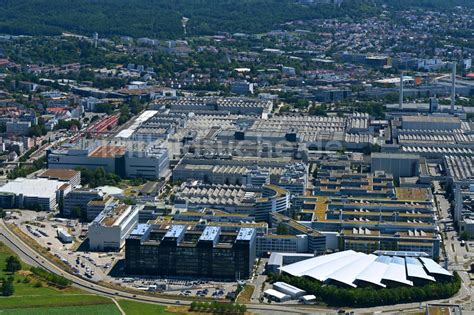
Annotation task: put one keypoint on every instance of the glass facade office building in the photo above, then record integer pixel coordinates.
(181, 251)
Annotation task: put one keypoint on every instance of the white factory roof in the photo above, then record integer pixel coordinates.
(127, 133)
(375, 271)
(276, 294)
(38, 187)
(288, 288)
(433, 267)
(350, 268)
(302, 267)
(396, 271)
(308, 298)
(350, 271)
(415, 269)
(323, 272)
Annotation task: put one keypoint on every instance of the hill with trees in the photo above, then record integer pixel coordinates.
(162, 18)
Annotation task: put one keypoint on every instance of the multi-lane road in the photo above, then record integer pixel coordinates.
(28, 255)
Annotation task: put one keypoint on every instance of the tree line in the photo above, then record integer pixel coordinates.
(162, 18)
(51, 277)
(217, 308)
(371, 296)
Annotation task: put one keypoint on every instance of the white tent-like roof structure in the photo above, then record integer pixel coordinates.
(396, 272)
(352, 268)
(433, 268)
(374, 272)
(415, 269)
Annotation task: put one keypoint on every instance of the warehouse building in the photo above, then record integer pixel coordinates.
(276, 296)
(76, 201)
(38, 193)
(233, 105)
(288, 289)
(431, 122)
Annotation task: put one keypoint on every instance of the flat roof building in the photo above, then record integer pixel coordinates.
(289, 289)
(431, 122)
(397, 164)
(406, 221)
(64, 175)
(127, 159)
(38, 193)
(111, 227)
(187, 251)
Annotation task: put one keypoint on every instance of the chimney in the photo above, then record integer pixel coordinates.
(453, 87)
(401, 91)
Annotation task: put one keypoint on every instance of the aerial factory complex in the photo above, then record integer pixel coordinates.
(324, 160)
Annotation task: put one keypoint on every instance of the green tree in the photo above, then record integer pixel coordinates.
(103, 108)
(13, 264)
(7, 288)
(282, 229)
(193, 306)
(124, 114)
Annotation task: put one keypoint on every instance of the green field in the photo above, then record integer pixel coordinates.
(106, 309)
(34, 296)
(32, 292)
(23, 301)
(136, 308)
(25, 284)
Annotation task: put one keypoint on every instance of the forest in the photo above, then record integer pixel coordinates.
(162, 18)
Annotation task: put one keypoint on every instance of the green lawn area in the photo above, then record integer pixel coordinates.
(106, 309)
(30, 298)
(23, 301)
(22, 287)
(28, 294)
(137, 308)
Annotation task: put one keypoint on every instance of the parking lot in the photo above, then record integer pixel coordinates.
(192, 288)
(42, 227)
(95, 266)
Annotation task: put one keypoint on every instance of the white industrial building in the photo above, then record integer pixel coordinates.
(275, 295)
(31, 193)
(288, 289)
(350, 268)
(111, 227)
(126, 159)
